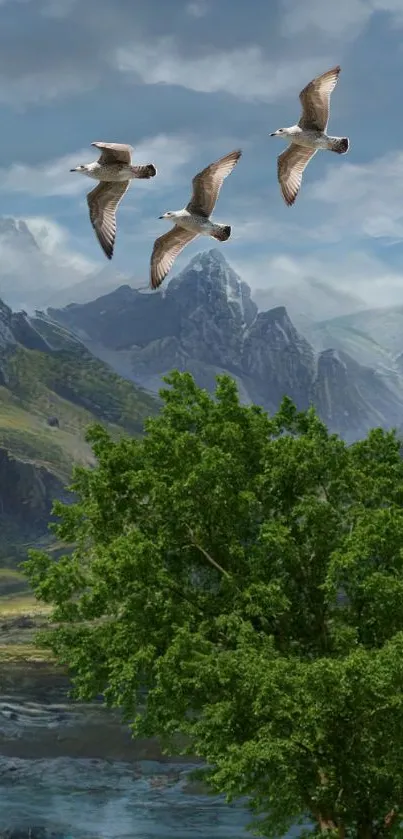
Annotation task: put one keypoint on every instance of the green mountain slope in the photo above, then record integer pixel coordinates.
(46, 377)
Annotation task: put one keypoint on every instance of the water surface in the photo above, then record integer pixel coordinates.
(83, 798)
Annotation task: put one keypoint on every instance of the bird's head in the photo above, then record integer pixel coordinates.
(79, 169)
(286, 132)
(167, 215)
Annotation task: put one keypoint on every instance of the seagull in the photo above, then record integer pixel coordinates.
(309, 135)
(115, 171)
(194, 220)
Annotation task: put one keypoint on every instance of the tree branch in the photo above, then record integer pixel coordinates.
(390, 818)
(209, 558)
(388, 821)
(177, 591)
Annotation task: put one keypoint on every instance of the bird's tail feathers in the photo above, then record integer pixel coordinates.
(147, 171)
(222, 232)
(340, 145)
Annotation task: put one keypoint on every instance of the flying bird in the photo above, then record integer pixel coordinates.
(114, 170)
(309, 135)
(194, 220)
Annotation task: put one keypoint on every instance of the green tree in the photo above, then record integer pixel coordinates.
(238, 578)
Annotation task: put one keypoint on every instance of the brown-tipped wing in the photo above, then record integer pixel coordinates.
(103, 202)
(207, 184)
(114, 152)
(147, 170)
(315, 100)
(165, 251)
(290, 167)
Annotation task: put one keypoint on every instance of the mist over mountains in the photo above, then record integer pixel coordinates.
(317, 343)
(205, 321)
(38, 268)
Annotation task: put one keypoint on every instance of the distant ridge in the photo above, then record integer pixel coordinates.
(207, 322)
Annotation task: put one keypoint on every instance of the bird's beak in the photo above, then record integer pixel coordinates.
(73, 170)
(160, 216)
(273, 134)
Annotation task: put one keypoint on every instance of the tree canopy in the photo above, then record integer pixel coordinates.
(238, 579)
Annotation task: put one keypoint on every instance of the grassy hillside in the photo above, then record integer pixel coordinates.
(75, 388)
(72, 378)
(36, 459)
(20, 618)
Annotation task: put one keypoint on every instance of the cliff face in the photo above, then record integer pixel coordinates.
(27, 492)
(205, 322)
(278, 359)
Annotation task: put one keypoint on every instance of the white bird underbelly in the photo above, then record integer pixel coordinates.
(115, 173)
(311, 140)
(196, 224)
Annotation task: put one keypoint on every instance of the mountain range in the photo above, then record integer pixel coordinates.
(103, 360)
(38, 270)
(206, 321)
(373, 337)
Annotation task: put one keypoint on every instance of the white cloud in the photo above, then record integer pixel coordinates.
(58, 9)
(390, 7)
(168, 152)
(3, 2)
(350, 203)
(197, 9)
(355, 272)
(333, 19)
(243, 72)
(54, 242)
(363, 200)
(46, 179)
(346, 18)
(36, 87)
(60, 71)
(36, 258)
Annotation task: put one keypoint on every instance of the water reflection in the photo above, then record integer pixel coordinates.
(89, 799)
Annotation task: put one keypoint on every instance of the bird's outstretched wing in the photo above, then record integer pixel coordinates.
(207, 184)
(114, 153)
(315, 100)
(103, 202)
(290, 168)
(166, 249)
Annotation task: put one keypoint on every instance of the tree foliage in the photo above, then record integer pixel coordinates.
(238, 579)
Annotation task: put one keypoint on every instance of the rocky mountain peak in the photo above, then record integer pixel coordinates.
(6, 334)
(17, 328)
(205, 322)
(277, 357)
(331, 359)
(278, 332)
(210, 282)
(17, 231)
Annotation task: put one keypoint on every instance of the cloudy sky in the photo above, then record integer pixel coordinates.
(184, 82)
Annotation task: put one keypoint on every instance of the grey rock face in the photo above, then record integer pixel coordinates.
(27, 491)
(278, 360)
(6, 336)
(206, 322)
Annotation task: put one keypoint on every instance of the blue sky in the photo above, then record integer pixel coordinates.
(184, 82)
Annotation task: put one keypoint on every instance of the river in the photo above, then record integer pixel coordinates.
(73, 772)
